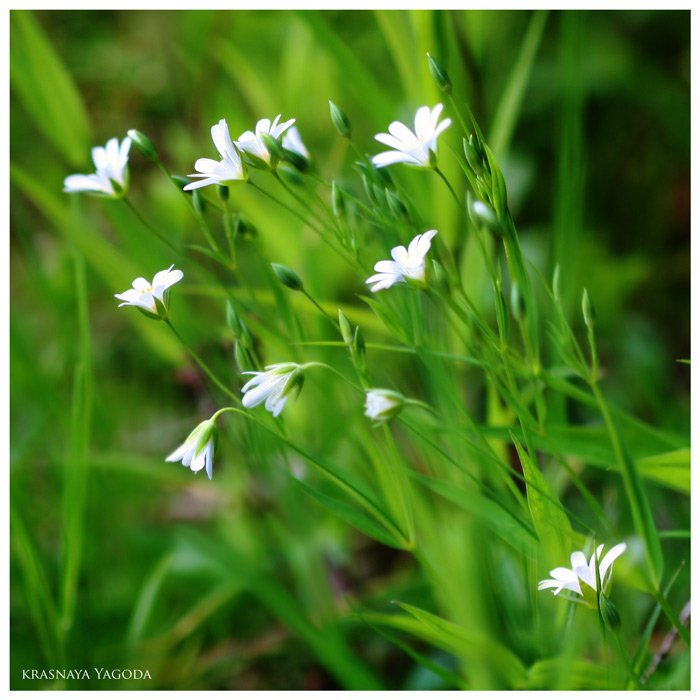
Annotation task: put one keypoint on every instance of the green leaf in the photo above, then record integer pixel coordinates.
(551, 523)
(472, 646)
(578, 674)
(671, 469)
(352, 516)
(488, 512)
(46, 89)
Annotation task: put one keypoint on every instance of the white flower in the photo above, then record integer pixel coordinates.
(583, 572)
(253, 145)
(197, 452)
(419, 149)
(383, 404)
(292, 142)
(406, 265)
(274, 386)
(152, 297)
(230, 170)
(111, 162)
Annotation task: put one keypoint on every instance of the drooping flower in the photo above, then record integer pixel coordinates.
(418, 149)
(230, 170)
(407, 265)
(197, 452)
(273, 386)
(254, 147)
(292, 142)
(112, 177)
(152, 297)
(581, 578)
(382, 405)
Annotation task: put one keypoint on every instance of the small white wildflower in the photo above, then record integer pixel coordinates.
(230, 170)
(418, 149)
(254, 147)
(112, 177)
(197, 452)
(292, 142)
(582, 575)
(152, 297)
(382, 405)
(274, 386)
(407, 265)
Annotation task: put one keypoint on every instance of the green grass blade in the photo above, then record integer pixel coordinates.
(46, 89)
(551, 523)
(508, 109)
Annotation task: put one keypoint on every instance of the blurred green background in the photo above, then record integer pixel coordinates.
(122, 560)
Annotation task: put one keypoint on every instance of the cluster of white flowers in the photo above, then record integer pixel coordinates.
(231, 170)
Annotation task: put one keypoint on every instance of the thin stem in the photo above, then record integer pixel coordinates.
(460, 205)
(203, 364)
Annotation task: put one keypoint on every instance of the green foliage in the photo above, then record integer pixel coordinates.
(527, 429)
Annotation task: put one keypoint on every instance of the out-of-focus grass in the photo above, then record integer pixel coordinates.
(120, 559)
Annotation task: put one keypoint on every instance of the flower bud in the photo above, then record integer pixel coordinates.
(588, 310)
(556, 284)
(381, 405)
(287, 277)
(340, 121)
(438, 279)
(609, 613)
(396, 206)
(472, 156)
(291, 174)
(437, 70)
(345, 327)
(243, 361)
(223, 192)
(198, 203)
(517, 303)
(338, 201)
(273, 145)
(143, 145)
(300, 162)
(482, 214)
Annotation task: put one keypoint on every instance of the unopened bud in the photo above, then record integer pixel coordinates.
(609, 613)
(381, 405)
(143, 145)
(338, 201)
(273, 145)
(482, 214)
(345, 327)
(300, 162)
(517, 303)
(340, 121)
(287, 277)
(437, 70)
(473, 157)
(588, 310)
(223, 192)
(198, 203)
(396, 206)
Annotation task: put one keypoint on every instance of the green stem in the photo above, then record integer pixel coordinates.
(673, 617)
(203, 364)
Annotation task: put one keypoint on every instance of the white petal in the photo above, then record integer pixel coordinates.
(130, 296)
(140, 284)
(424, 242)
(563, 575)
(205, 165)
(387, 266)
(610, 557)
(381, 160)
(178, 454)
(391, 141)
(82, 183)
(200, 183)
(434, 116)
(422, 123)
(399, 253)
(403, 133)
